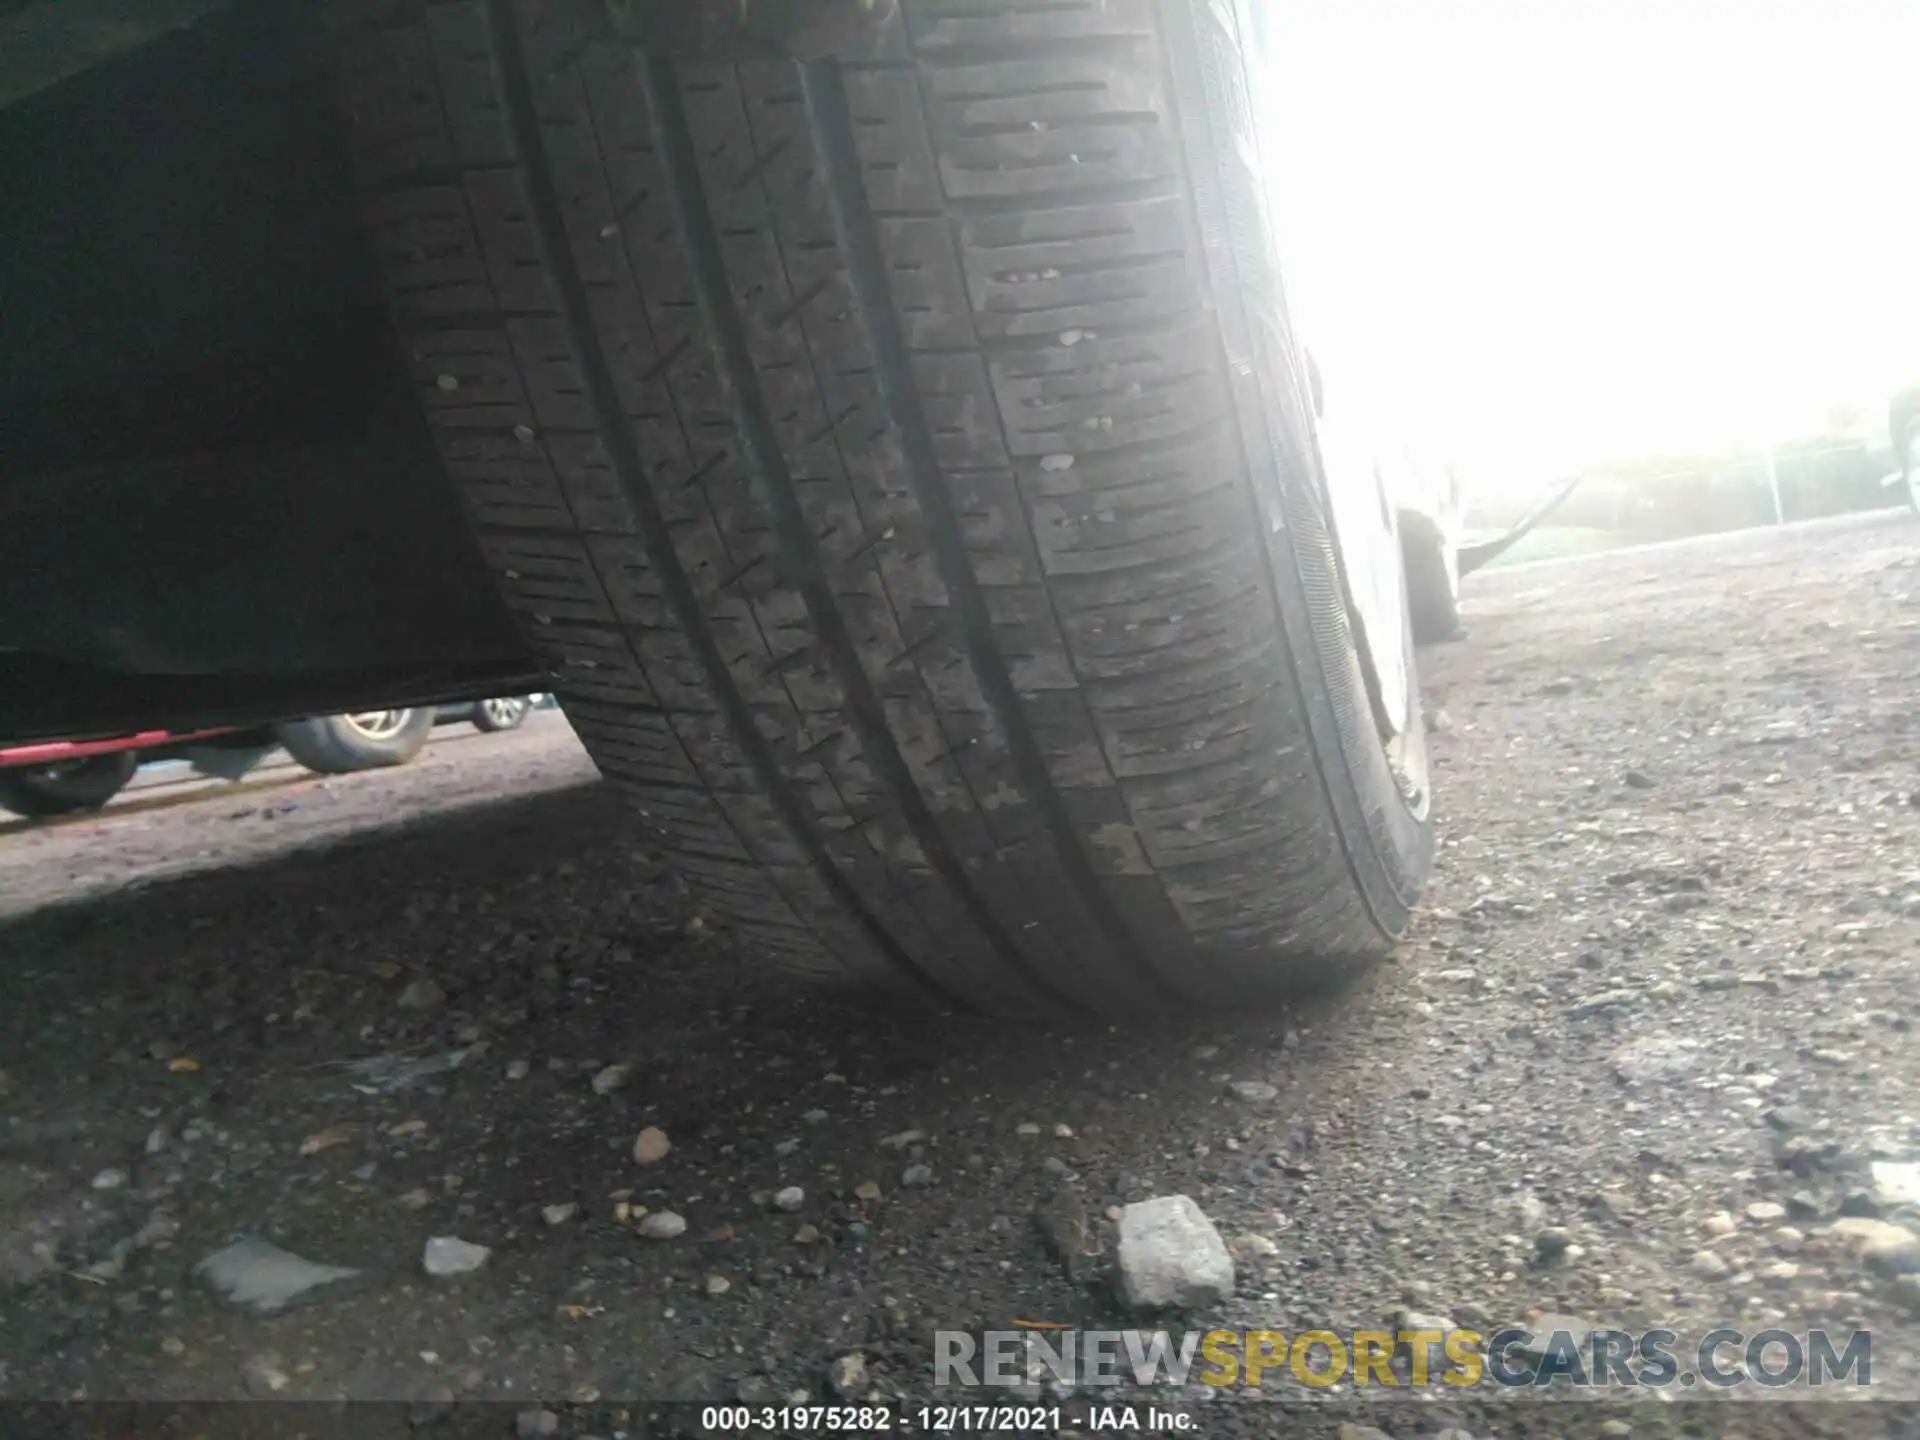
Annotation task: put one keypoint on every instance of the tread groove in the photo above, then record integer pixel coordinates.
(624, 459)
(830, 115)
(762, 448)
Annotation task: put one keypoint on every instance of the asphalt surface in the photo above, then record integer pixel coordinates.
(1647, 1060)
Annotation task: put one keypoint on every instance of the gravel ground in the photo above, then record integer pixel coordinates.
(1637, 1058)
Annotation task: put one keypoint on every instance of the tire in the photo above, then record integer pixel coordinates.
(341, 744)
(1433, 580)
(67, 786)
(916, 510)
(506, 712)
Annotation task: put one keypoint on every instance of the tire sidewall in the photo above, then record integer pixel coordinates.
(97, 780)
(329, 745)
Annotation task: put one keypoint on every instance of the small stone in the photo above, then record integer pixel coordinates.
(1803, 1205)
(535, 1424)
(1056, 462)
(610, 1078)
(110, 1179)
(903, 1139)
(173, 1345)
(813, 1117)
(1719, 1223)
(916, 1177)
(448, 1255)
(422, 995)
(848, 1376)
(447, 382)
(1550, 1245)
(415, 1199)
(1654, 1058)
(1071, 338)
(1252, 1092)
(716, 1285)
(1763, 1211)
(1171, 1256)
(789, 1199)
(1860, 1205)
(1026, 1128)
(1615, 1429)
(1063, 1132)
(265, 1375)
(518, 1070)
(1637, 780)
(650, 1145)
(807, 1234)
(661, 1225)
(1883, 1247)
(1602, 1001)
(263, 1278)
(867, 1190)
(1788, 1239)
(158, 1139)
(785, 1148)
(1574, 1336)
(559, 1214)
(1708, 1265)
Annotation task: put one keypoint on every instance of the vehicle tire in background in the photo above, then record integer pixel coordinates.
(918, 513)
(1433, 579)
(340, 744)
(505, 712)
(66, 786)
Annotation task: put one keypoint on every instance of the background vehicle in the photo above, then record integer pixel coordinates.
(60, 777)
(937, 539)
(1903, 428)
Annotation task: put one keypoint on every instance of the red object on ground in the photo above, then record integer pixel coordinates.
(51, 752)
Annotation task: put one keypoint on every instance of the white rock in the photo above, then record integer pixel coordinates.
(110, 1179)
(264, 1278)
(849, 1375)
(1253, 1092)
(651, 1144)
(1171, 1256)
(448, 1255)
(1766, 1210)
(610, 1078)
(559, 1214)
(1056, 462)
(790, 1199)
(661, 1225)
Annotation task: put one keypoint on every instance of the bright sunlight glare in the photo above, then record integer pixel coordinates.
(1602, 228)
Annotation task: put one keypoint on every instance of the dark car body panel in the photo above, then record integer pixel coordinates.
(215, 484)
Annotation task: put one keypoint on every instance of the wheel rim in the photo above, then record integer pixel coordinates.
(1368, 544)
(504, 712)
(377, 724)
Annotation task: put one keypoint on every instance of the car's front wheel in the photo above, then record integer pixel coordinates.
(903, 463)
(66, 786)
(366, 740)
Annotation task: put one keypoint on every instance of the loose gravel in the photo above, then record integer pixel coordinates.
(1636, 1065)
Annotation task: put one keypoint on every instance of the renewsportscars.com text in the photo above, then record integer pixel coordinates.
(1718, 1359)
